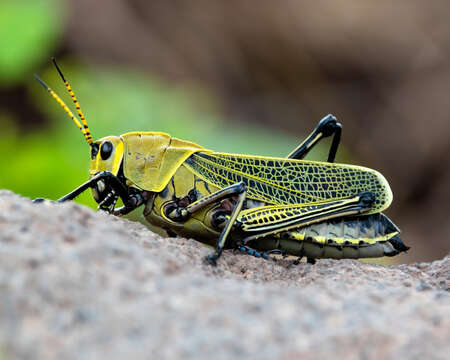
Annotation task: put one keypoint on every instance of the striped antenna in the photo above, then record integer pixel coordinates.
(85, 132)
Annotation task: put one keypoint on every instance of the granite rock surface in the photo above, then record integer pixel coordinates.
(79, 284)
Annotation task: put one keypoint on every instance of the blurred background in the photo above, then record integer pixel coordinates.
(236, 76)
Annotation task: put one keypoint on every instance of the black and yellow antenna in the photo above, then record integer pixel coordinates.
(86, 132)
(83, 125)
(66, 109)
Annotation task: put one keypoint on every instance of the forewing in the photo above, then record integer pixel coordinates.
(286, 181)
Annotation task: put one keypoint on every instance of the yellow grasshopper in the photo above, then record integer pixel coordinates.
(260, 205)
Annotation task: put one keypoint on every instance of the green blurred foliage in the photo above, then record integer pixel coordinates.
(29, 30)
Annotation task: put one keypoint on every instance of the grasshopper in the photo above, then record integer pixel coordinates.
(260, 205)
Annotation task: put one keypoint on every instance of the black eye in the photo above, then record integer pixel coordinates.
(106, 150)
(94, 151)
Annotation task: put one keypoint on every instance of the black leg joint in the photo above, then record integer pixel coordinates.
(328, 125)
(325, 128)
(241, 187)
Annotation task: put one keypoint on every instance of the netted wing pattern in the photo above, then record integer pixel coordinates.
(285, 181)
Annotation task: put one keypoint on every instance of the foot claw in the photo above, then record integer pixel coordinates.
(42, 200)
(212, 259)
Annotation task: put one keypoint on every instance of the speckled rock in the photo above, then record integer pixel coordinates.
(78, 284)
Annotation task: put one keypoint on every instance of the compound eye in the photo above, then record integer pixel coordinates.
(106, 150)
(94, 151)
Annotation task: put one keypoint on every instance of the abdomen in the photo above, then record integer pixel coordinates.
(343, 238)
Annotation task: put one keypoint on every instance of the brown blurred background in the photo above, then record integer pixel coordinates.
(382, 68)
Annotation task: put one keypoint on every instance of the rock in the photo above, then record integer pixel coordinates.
(82, 284)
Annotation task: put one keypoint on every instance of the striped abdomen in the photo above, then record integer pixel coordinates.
(351, 237)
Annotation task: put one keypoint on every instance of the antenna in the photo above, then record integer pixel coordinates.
(75, 101)
(83, 125)
(84, 130)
